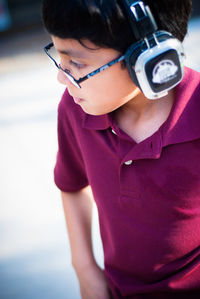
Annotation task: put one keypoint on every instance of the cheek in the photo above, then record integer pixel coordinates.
(115, 87)
(102, 100)
(108, 92)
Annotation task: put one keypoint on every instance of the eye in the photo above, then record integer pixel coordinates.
(76, 64)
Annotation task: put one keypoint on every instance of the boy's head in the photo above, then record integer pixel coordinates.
(99, 31)
(104, 22)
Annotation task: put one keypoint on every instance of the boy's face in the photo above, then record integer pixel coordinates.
(102, 93)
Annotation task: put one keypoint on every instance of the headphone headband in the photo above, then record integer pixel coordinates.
(140, 18)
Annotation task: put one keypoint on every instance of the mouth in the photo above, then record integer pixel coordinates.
(77, 100)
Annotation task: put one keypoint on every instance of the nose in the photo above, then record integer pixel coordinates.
(62, 78)
(65, 81)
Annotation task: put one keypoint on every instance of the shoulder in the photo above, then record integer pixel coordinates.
(190, 85)
(194, 75)
(184, 122)
(187, 93)
(191, 90)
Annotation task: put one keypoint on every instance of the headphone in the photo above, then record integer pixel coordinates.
(155, 60)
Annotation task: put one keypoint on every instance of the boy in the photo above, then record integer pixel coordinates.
(141, 157)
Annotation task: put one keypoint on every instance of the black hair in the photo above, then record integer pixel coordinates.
(104, 22)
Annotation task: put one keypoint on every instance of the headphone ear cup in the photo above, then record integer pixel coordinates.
(155, 64)
(136, 49)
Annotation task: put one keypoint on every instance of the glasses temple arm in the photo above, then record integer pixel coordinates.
(104, 67)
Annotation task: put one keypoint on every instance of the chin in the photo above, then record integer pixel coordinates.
(94, 111)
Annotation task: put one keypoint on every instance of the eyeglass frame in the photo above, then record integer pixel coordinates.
(91, 74)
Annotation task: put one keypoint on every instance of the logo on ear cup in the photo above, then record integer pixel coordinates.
(164, 71)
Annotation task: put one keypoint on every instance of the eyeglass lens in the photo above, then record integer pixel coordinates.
(54, 54)
(56, 57)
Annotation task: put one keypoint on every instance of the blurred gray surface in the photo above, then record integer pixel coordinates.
(34, 248)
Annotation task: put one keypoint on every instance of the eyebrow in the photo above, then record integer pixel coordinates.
(73, 53)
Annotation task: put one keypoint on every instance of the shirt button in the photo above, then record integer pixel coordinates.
(129, 162)
(114, 132)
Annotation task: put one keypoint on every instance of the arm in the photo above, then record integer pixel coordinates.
(78, 213)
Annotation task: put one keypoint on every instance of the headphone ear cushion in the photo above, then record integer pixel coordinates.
(131, 56)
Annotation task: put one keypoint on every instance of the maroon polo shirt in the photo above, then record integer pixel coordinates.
(147, 194)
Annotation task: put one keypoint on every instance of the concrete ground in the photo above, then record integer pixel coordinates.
(34, 251)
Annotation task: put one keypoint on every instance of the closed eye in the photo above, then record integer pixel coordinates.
(76, 64)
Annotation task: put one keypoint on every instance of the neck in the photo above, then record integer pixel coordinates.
(142, 108)
(140, 117)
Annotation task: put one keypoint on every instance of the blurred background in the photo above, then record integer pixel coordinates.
(34, 249)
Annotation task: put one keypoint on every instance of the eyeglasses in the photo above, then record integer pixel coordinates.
(80, 80)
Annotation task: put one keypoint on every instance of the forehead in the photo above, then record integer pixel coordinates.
(85, 49)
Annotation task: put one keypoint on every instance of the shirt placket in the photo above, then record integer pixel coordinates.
(130, 163)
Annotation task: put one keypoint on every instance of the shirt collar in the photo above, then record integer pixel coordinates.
(97, 122)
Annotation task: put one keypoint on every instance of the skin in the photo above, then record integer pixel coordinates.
(110, 90)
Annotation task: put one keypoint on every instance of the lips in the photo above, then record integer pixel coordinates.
(77, 100)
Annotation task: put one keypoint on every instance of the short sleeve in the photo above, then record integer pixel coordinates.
(69, 171)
